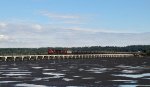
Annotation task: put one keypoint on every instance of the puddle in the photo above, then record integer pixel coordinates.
(76, 76)
(29, 85)
(130, 67)
(132, 75)
(49, 69)
(97, 70)
(125, 81)
(88, 78)
(37, 67)
(54, 75)
(15, 74)
(2, 82)
(51, 73)
(13, 68)
(130, 71)
(67, 79)
(81, 69)
(37, 79)
(64, 70)
(20, 72)
(134, 86)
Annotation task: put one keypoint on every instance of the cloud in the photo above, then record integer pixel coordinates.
(59, 16)
(74, 22)
(44, 35)
(3, 25)
(37, 26)
(85, 30)
(3, 38)
(64, 18)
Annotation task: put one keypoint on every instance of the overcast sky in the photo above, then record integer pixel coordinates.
(71, 23)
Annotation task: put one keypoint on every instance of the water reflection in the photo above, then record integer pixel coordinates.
(81, 72)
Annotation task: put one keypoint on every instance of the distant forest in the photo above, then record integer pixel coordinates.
(43, 50)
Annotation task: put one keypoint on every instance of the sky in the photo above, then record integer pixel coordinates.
(74, 23)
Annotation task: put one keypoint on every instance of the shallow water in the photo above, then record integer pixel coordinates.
(104, 72)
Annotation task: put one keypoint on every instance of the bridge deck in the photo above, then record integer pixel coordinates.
(67, 56)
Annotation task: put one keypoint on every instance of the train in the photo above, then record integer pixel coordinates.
(66, 51)
(56, 51)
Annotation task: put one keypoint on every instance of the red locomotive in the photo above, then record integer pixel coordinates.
(55, 51)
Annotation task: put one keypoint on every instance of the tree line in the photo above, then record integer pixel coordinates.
(43, 50)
